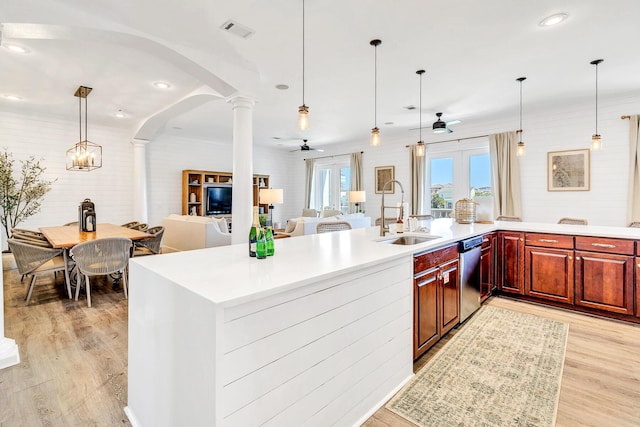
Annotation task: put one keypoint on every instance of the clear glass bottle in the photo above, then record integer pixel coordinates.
(271, 247)
(253, 232)
(261, 244)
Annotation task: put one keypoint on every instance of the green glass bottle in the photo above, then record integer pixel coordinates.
(261, 244)
(271, 247)
(253, 232)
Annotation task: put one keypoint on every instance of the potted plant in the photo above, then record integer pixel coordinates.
(22, 197)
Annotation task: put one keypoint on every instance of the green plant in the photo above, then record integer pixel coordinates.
(20, 198)
(263, 219)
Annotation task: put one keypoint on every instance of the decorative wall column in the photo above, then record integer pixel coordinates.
(9, 355)
(241, 211)
(140, 180)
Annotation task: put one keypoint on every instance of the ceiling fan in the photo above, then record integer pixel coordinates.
(305, 147)
(440, 126)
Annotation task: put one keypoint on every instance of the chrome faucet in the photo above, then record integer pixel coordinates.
(383, 226)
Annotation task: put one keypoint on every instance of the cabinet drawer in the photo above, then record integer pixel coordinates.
(487, 240)
(603, 244)
(427, 260)
(559, 241)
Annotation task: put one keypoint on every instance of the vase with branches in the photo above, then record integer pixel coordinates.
(21, 192)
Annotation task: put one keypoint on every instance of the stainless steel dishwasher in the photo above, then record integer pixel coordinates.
(470, 251)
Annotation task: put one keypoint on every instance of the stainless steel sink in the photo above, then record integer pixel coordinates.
(409, 240)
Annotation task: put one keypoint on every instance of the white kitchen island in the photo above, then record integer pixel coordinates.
(320, 334)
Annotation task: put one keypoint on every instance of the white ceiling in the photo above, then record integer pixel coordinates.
(472, 52)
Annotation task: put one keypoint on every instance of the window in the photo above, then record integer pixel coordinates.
(457, 174)
(331, 180)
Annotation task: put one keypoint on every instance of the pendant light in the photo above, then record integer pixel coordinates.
(596, 140)
(375, 132)
(521, 151)
(84, 155)
(420, 147)
(303, 110)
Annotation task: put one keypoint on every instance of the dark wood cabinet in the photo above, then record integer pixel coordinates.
(511, 262)
(549, 267)
(605, 269)
(488, 266)
(436, 297)
(605, 281)
(637, 261)
(549, 273)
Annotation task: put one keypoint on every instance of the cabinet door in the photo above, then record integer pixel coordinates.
(511, 262)
(487, 267)
(425, 312)
(637, 261)
(549, 273)
(449, 284)
(605, 281)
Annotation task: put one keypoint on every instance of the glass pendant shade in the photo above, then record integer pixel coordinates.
(521, 150)
(303, 117)
(375, 137)
(596, 139)
(84, 155)
(420, 149)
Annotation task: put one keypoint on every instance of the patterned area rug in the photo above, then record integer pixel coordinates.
(501, 369)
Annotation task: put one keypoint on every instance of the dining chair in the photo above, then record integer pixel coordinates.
(33, 260)
(139, 226)
(574, 221)
(150, 245)
(130, 224)
(634, 224)
(509, 218)
(387, 221)
(29, 236)
(101, 257)
(329, 226)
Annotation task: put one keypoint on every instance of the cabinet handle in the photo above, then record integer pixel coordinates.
(485, 240)
(548, 241)
(522, 239)
(577, 258)
(603, 245)
(570, 258)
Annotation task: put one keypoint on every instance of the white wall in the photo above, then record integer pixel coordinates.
(47, 138)
(549, 129)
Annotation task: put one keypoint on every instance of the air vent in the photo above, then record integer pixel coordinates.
(240, 30)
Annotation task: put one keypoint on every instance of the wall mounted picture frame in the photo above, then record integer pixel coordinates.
(568, 170)
(385, 174)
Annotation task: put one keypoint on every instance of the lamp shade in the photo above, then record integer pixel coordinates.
(357, 196)
(271, 196)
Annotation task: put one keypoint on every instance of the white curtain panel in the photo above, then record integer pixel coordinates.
(417, 181)
(308, 183)
(633, 210)
(505, 174)
(356, 183)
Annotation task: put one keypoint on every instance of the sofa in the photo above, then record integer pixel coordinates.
(187, 232)
(302, 226)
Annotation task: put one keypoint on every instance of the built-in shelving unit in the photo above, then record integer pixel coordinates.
(194, 183)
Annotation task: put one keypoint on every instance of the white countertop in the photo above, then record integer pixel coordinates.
(227, 275)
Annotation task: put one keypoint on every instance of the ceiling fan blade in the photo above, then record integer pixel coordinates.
(449, 130)
(453, 122)
(317, 149)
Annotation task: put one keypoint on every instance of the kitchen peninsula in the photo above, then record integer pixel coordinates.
(320, 334)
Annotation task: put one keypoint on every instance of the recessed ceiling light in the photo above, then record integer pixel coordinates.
(553, 19)
(120, 114)
(162, 85)
(409, 107)
(389, 123)
(13, 97)
(16, 48)
(282, 87)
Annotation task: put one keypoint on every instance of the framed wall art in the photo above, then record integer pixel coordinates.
(568, 170)
(385, 174)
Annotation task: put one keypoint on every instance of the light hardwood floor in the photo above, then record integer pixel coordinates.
(74, 361)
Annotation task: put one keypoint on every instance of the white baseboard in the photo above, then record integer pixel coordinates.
(384, 400)
(132, 418)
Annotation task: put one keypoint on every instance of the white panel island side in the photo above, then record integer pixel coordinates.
(320, 334)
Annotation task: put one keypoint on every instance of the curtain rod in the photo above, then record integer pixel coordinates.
(334, 155)
(452, 140)
(625, 117)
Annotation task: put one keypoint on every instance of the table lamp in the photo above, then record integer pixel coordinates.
(357, 197)
(271, 196)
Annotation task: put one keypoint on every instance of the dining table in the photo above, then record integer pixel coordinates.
(67, 236)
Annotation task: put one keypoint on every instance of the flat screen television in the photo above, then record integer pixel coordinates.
(219, 199)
